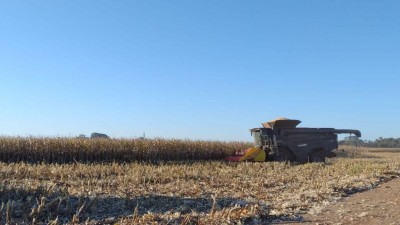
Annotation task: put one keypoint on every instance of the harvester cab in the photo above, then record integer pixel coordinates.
(281, 140)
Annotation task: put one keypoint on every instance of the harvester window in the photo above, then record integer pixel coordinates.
(257, 137)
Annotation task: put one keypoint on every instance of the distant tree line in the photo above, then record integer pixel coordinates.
(378, 143)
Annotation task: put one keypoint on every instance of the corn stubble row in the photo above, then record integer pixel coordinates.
(66, 150)
(201, 192)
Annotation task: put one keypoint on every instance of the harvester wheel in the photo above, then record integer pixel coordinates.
(284, 155)
(317, 156)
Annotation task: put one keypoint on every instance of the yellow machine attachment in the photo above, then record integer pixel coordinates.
(257, 154)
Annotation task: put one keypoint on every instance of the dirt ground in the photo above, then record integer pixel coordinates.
(380, 205)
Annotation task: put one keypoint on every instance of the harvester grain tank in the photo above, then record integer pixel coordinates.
(281, 140)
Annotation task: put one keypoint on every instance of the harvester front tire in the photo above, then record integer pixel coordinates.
(284, 155)
(318, 156)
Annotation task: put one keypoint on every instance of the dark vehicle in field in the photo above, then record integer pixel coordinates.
(98, 135)
(281, 140)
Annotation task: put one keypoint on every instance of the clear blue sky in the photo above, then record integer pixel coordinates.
(198, 69)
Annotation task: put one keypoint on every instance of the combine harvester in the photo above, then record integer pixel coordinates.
(281, 140)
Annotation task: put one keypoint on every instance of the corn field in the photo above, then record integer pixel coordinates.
(199, 192)
(66, 150)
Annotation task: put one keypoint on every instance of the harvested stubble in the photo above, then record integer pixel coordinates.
(184, 193)
(66, 150)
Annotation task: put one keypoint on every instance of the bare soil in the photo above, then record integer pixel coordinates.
(380, 205)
